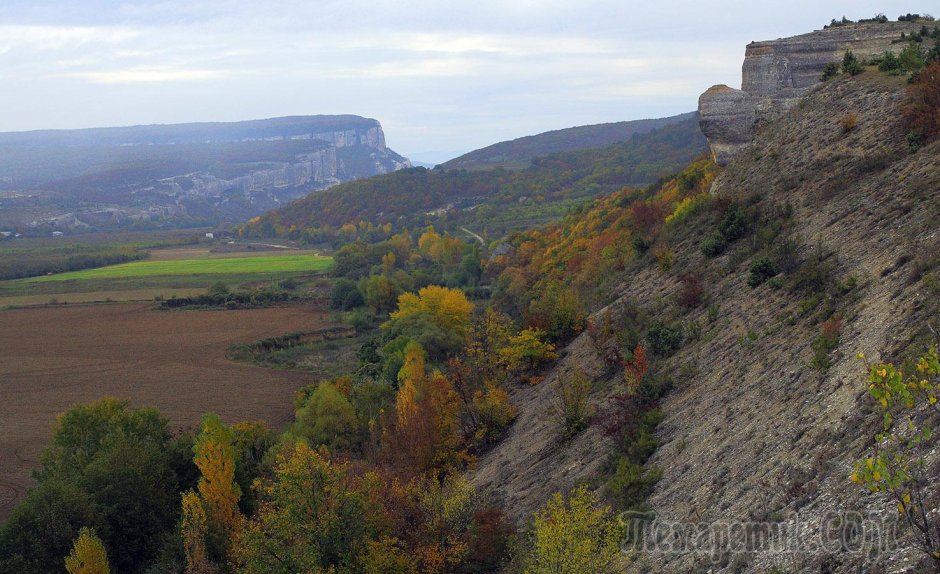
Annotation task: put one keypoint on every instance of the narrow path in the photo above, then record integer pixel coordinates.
(475, 236)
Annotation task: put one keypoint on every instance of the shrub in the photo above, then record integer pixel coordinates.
(851, 65)
(664, 340)
(826, 342)
(848, 122)
(830, 71)
(733, 224)
(572, 410)
(630, 484)
(921, 108)
(690, 292)
(888, 62)
(911, 58)
(714, 246)
(346, 295)
(761, 270)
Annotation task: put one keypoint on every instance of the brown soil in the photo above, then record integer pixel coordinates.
(54, 358)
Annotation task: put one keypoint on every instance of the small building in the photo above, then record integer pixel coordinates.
(57, 234)
(210, 235)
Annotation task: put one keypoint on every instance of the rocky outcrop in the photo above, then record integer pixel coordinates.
(777, 73)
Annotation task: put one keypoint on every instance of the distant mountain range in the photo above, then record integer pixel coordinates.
(182, 174)
(519, 152)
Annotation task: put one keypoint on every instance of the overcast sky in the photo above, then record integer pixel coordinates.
(442, 76)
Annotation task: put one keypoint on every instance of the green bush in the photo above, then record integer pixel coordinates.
(714, 246)
(851, 65)
(346, 295)
(733, 224)
(761, 270)
(664, 340)
(630, 484)
(830, 71)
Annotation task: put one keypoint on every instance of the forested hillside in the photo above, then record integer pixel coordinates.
(487, 201)
(518, 153)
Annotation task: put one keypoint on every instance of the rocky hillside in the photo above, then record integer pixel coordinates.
(519, 152)
(777, 73)
(183, 174)
(760, 423)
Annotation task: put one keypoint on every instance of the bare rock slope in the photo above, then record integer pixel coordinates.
(751, 429)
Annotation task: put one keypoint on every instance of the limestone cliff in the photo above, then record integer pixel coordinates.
(777, 73)
(185, 174)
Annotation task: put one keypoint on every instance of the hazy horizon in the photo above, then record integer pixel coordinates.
(442, 78)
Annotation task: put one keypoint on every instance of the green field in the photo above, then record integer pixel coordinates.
(206, 266)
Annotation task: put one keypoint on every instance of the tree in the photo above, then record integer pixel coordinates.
(328, 419)
(215, 457)
(88, 555)
(577, 536)
(312, 518)
(381, 293)
(109, 467)
(896, 466)
(851, 65)
(525, 352)
(447, 308)
(346, 295)
(412, 381)
(572, 410)
(558, 312)
(193, 530)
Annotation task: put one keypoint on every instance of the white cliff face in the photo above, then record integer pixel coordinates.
(253, 187)
(372, 137)
(777, 73)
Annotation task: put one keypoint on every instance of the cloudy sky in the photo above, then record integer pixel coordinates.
(442, 76)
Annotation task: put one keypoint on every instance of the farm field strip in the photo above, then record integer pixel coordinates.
(205, 266)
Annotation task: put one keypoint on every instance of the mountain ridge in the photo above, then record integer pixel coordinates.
(519, 152)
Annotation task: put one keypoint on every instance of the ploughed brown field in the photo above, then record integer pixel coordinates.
(54, 358)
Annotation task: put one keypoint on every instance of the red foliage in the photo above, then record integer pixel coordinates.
(690, 293)
(637, 367)
(489, 540)
(921, 110)
(832, 327)
(647, 216)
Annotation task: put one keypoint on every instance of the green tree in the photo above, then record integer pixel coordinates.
(310, 519)
(851, 65)
(328, 419)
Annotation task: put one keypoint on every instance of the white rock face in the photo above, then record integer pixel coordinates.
(777, 73)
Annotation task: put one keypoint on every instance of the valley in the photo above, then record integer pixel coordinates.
(705, 343)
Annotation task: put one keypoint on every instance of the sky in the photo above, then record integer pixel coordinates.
(442, 76)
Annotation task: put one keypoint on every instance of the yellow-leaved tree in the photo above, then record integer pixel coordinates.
(447, 308)
(88, 555)
(576, 537)
(412, 380)
(215, 458)
(193, 530)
